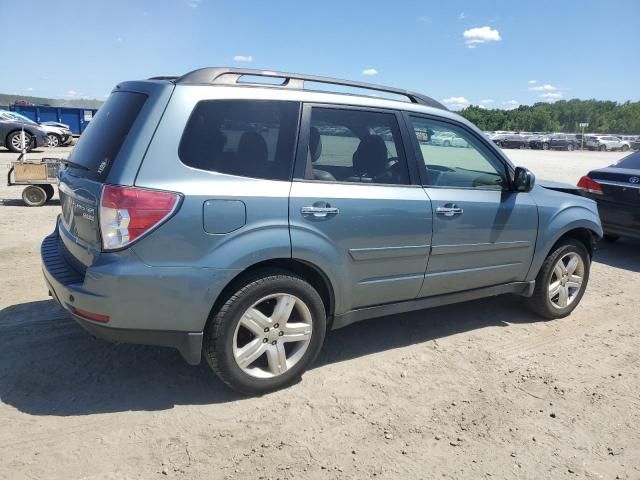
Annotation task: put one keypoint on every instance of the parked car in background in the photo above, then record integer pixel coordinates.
(513, 141)
(635, 144)
(188, 220)
(607, 143)
(616, 190)
(58, 134)
(563, 141)
(447, 139)
(11, 133)
(540, 142)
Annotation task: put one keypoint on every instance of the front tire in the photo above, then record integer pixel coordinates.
(53, 140)
(266, 334)
(625, 148)
(603, 148)
(545, 146)
(561, 281)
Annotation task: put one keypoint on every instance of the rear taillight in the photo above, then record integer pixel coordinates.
(590, 185)
(127, 213)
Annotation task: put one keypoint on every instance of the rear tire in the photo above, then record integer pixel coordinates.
(545, 146)
(14, 142)
(48, 188)
(34, 196)
(245, 338)
(625, 148)
(603, 148)
(554, 275)
(570, 147)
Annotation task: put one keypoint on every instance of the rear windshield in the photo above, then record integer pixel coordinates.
(630, 161)
(100, 143)
(248, 138)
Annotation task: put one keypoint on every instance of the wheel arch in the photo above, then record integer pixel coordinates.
(317, 278)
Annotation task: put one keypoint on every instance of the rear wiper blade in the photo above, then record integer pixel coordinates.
(73, 164)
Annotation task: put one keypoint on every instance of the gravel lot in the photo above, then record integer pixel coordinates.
(476, 390)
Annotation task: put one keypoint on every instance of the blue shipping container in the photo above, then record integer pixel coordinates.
(76, 118)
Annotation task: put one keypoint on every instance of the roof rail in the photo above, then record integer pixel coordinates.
(164, 77)
(231, 76)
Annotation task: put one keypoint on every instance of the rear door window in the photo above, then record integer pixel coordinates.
(100, 143)
(247, 138)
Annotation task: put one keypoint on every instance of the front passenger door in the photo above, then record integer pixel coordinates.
(484, 233)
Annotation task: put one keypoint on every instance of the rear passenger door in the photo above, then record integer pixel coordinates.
(484, 233)
(356, 211)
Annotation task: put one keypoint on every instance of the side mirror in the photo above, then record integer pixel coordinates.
(523, 180)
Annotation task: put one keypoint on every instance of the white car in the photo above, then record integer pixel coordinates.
(607, 143)
(448, 139)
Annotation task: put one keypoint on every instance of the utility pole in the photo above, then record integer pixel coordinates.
(582, 125)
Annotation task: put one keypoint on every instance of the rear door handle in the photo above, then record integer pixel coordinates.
(319, 211)
(449, 211)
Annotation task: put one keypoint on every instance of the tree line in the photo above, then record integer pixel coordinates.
(561, 116)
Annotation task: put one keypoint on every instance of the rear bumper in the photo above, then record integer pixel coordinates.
(145, 305)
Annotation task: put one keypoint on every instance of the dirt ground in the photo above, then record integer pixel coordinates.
(477, 390)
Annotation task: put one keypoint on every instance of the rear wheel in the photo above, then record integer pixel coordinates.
(562, 280)
(603, 148)
(34, 196)
(625, 148)
(545, 146)
(266, 334)
(15, 142)
(570, 147)
(446, 143)
(48, 190)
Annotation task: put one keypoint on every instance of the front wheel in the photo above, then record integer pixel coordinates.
(561, 281)
(545, 146)
(266, 334)
(570, 147)
(53, 140)
(34, 195)
(625, 148)
(603, 148)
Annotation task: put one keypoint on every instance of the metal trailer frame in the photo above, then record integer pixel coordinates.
(37, 191)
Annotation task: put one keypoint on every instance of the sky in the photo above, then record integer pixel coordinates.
(497, 54)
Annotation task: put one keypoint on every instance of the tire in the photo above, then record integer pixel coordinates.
(230, 330)
(34, 196)
(48, 188)
(611, 238)
(446, 143)
(570, 147)
(603, 148)
(13, 141)
(540, 302)
(545, 146)
(54, 140)
(625, 148)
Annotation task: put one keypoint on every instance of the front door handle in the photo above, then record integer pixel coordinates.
(319, 212)
(449, 211)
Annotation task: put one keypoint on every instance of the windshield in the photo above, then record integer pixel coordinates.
(630, 161)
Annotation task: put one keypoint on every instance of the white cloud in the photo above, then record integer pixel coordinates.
(552, 96)
(478, 35)
(145, 14)
(531, 82)
(511, 104)
(423, 19)
(194, 3)
(544, 88)
(462, 16)
(243, 58)
(29, 89)
(456, 102)
(369, 71)
(71, 94)
(119, 40)
(486, 101)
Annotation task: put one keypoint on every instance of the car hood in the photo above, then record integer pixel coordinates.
(559, 186)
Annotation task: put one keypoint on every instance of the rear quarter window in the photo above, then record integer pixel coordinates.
(100, 143)
(630, 161)
(247, 138)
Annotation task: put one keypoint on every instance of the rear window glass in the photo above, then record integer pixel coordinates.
(100, 143)
(242, 137)
(630, 161)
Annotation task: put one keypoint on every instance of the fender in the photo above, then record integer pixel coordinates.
(562, 221)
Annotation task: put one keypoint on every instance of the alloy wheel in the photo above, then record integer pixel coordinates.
(53, 140)
(17, 143)
(566, 280)
(272, 335)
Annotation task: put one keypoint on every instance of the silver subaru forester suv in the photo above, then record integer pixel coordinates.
(240, 214)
